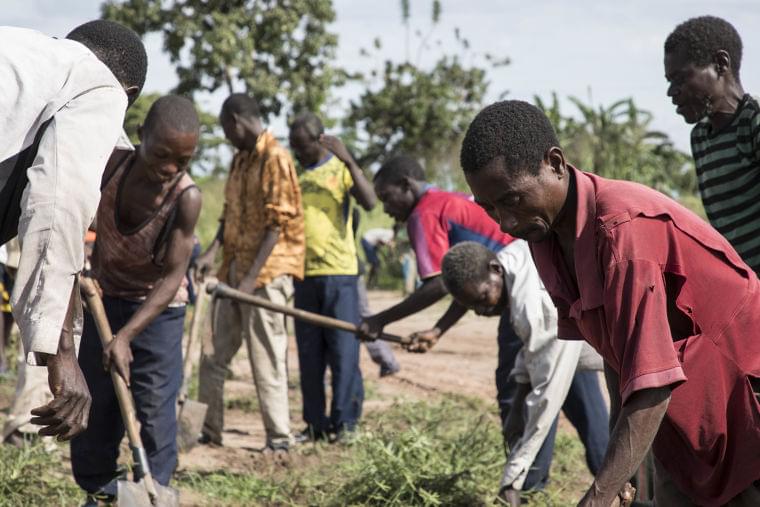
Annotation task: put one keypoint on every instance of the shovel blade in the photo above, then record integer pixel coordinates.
(134, 494)
(190, 423)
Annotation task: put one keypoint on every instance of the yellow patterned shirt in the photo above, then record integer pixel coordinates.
(330, 246)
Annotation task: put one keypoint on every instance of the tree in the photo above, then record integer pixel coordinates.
(280, 51)
(616, 141)
(421, 112)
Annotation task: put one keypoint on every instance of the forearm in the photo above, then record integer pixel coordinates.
(451, 317)
(431, 291)
(362, 190)
(265, 250)
(157, 301)
(633, 434)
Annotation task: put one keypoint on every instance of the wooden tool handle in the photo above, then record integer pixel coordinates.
(225, 291)
(126, 403)
(195, 327)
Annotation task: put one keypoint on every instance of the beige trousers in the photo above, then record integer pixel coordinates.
(266, 337)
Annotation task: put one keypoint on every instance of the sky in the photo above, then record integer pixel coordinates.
(599, 51)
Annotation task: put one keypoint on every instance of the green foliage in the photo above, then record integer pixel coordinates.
(207, 158)
(616, 141)
(213, 201)
(423, 112)
(224, 488)
(278, 50)
(32, 476)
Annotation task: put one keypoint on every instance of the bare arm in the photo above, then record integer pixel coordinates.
(635, 429)
(175, 267)
(362, 190)
(205, 261)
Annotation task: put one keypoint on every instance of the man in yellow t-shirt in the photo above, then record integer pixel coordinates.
(330, 176)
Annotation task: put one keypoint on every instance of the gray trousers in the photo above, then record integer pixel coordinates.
(380, 352)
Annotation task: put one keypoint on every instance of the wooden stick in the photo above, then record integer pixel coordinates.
(195, 327)
(225, 291)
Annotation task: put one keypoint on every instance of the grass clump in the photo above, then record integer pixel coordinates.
(32, 476)
(233, 488)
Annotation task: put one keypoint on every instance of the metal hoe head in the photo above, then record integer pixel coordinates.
(190, 423)
(135, 494)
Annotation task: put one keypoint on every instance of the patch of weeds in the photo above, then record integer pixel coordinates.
(32, 476)
(232, 488)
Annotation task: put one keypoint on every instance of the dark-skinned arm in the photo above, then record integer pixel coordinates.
(176, 261)
(362, 190)
(430, 292)
(205, 261)
(422, 341)
(634, 431)
(248, 283)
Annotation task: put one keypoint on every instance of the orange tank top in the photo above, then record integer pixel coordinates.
(128, 263)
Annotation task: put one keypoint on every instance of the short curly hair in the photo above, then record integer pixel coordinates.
(242, 104)
(514, 130)
(465, 263)
(119, 47)
(702, 37)
(174, 112)
(399, 167)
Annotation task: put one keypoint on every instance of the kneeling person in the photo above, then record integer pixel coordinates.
(507, 283)
(148, 211)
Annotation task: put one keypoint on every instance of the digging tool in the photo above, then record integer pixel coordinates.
(144, 491)
(191, 413)
(225, 291)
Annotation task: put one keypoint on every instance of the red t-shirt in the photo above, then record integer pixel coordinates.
(666, 300)
(442, 219)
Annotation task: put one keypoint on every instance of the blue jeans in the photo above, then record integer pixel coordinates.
(333, 296)
(584, 407)
(156, 377)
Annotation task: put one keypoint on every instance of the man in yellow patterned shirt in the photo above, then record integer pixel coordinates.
(261, 233)
(330, 177)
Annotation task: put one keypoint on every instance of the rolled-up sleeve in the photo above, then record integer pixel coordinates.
(58, 205)
(636, 310)
(280, 185)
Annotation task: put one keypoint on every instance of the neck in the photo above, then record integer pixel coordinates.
(251, 138)
(724, 108)
(564, 223)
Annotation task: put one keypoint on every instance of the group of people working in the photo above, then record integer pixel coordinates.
(585, 273)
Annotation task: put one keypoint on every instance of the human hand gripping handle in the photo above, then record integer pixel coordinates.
(68, 413)
(423, 341)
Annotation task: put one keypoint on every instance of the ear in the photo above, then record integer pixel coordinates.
(494, 266)
(132, 93)
(555, 158)
(722, 61)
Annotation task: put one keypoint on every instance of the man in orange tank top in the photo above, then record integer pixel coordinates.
(148, 210)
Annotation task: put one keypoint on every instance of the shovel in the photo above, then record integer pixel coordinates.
(145, 491)
(222, 290)
(191, 413)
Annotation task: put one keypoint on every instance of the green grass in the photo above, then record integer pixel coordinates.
(32, 476)
(446, 452)
(213, 202)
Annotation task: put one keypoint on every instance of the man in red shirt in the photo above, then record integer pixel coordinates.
(659, 293)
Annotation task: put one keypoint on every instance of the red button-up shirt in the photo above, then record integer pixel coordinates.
(667, 301)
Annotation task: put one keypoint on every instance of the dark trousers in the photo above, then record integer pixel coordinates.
(584, 407)
(332, 296)
(156, 376)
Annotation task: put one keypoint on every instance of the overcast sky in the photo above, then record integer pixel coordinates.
(603, 50)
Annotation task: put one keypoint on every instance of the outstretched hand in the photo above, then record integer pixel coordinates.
(423, 341)
(68, 413)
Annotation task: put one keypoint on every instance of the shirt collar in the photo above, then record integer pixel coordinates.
(321, 162)
(590, 283)
(123, 142)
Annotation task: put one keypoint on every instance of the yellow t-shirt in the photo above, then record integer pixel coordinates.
(330, 246)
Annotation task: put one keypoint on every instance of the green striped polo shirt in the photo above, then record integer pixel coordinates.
(728, 171)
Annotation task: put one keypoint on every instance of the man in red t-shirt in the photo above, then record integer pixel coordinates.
(662, 296)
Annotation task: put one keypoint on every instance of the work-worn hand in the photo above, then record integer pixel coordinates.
(510, 496)
(371, 328)
(337, 148)
(247, 284)
(422, 341)
(118, 354)
(594, 498)
(67, 414)
(203, 265)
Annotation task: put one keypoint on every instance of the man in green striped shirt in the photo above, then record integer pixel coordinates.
(702, 61)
